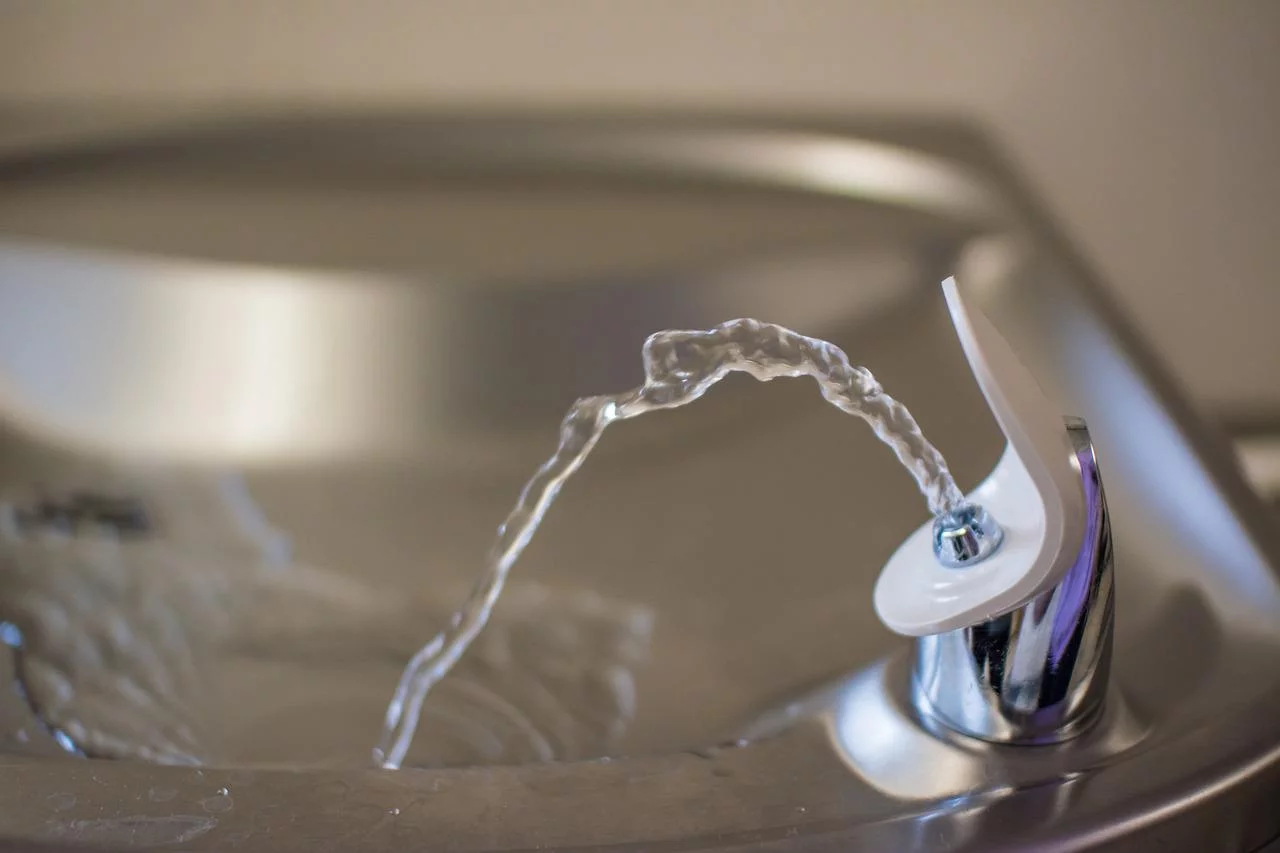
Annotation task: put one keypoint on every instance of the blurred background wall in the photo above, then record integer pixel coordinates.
(1150, 127)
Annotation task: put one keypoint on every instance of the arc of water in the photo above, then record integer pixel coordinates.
(679, 366)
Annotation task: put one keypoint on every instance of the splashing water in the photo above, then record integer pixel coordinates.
(145, 610)
(679, 367)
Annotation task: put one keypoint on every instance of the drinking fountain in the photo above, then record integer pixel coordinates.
(266, 389)
(1014, 621)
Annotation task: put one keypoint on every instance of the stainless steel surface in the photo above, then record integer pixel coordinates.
(965, 537)
(1038, 674)
(730, 522)
(382, 259)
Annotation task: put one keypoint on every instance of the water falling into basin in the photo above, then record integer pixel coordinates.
(679, 367)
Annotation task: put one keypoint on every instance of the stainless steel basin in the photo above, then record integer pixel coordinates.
(358, 333)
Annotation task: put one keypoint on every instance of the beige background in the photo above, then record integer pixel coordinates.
(1152, 127)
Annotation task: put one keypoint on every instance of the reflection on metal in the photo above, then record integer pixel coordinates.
(367, 253)
(876, 733)
(217, 364)
(1038, 674)
(876, 728)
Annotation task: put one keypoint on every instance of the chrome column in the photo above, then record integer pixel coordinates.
(1037, 674)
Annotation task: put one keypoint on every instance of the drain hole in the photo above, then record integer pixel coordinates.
(80, 511)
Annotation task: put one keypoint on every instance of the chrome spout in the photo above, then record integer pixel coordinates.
(1036, 674)
(966, 536)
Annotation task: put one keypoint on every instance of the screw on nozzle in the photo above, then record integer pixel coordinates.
(965, 536)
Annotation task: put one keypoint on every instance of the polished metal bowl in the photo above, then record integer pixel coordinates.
(371, 324)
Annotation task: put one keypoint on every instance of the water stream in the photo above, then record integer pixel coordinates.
(157, 614)
(679, 367)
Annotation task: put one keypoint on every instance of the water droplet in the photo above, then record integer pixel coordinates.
(219, 802)
(162, 794)
(393, 812)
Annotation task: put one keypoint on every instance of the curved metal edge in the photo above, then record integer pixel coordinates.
(787, 156)
(513, 810)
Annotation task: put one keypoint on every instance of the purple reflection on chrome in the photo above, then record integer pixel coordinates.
(1075, 587)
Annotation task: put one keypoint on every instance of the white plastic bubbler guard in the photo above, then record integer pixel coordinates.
(1034, 493)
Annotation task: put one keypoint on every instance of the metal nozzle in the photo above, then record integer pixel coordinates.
(965, 536)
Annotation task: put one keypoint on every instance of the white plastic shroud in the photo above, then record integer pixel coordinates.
(1034, 493)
